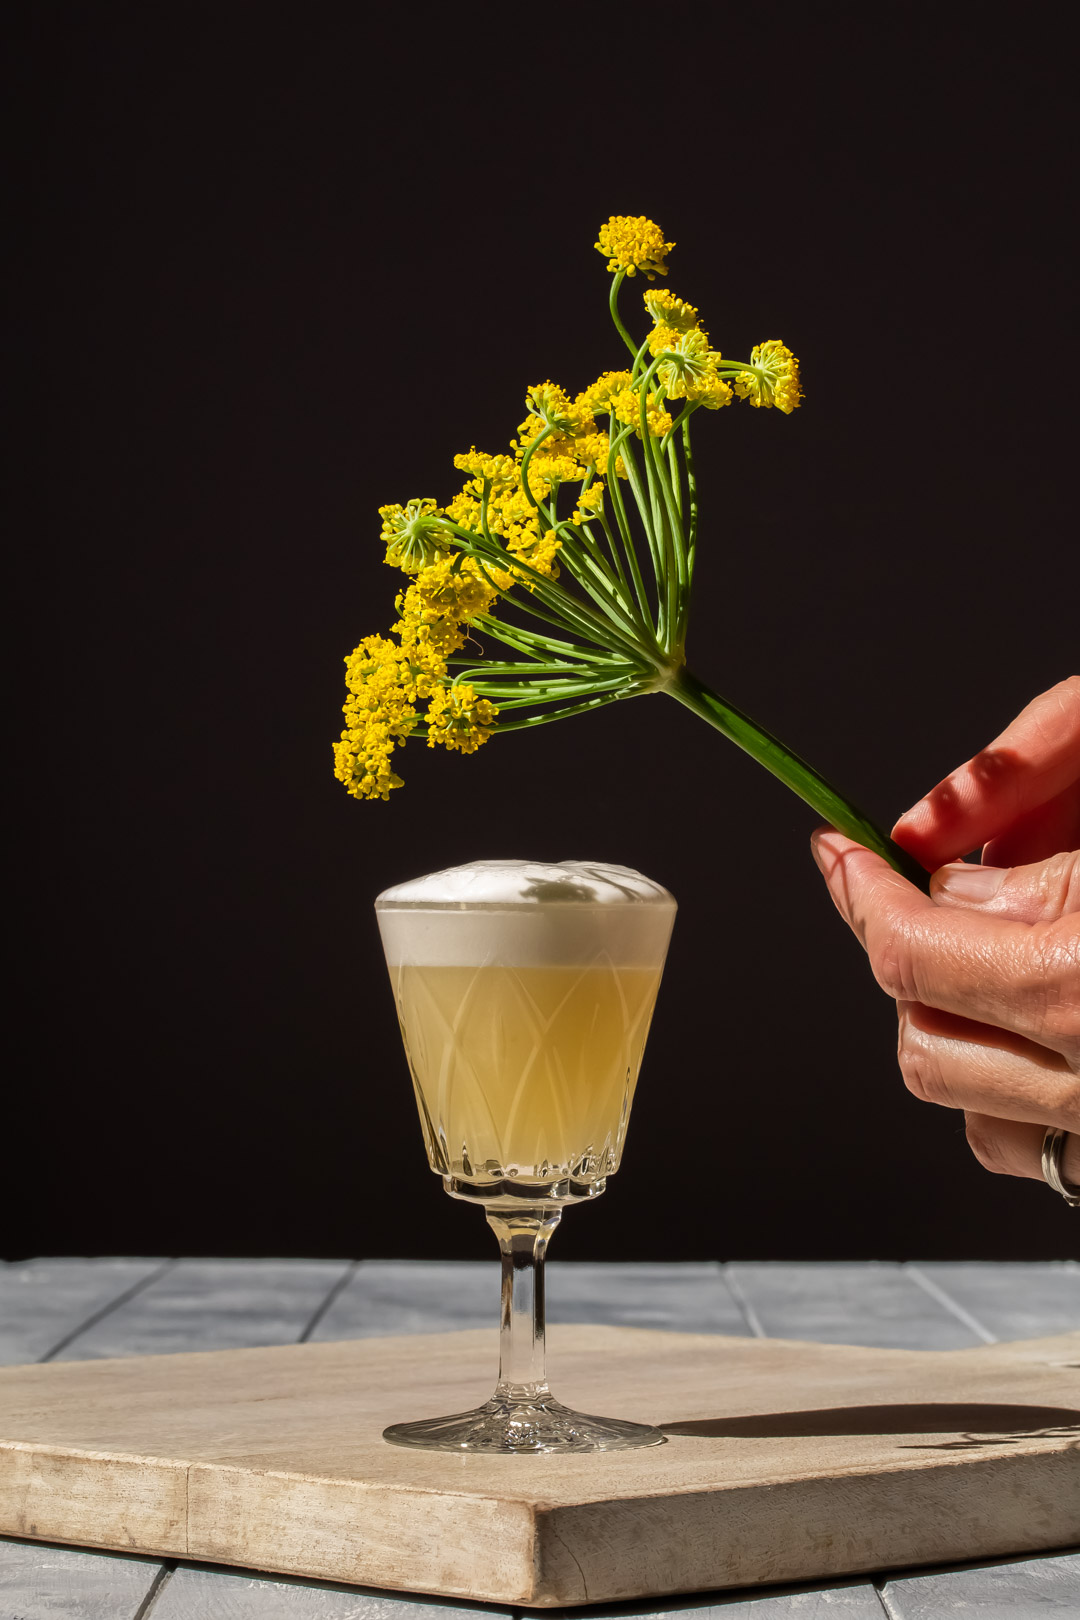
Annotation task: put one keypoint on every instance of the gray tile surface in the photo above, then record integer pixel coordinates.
(213, 1305)
(197, 1592)
(1027, 1589)
(837, 1603)
(418, 1296)
(691, 1297)
(1012, 1299)
(870, 1303)
(64, 1583)
(853, 1601)
(413, 1296)
(43, 1301)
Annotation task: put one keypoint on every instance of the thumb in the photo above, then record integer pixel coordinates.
(1041, 892)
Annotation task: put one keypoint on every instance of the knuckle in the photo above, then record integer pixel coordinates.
(986, 1144)
(891, 960)
(1059, 883)
(920, 1069)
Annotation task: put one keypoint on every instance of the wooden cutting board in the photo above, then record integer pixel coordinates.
(784, 1461)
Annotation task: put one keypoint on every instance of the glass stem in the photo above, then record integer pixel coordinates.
(523, 1236)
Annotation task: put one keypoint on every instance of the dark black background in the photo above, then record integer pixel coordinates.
(281, 264)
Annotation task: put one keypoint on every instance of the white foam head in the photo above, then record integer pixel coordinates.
(526, 913)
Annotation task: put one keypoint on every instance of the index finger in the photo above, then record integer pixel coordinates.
(1034, 760)
(1017, 976)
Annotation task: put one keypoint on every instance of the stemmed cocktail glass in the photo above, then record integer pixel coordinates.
(524, 993)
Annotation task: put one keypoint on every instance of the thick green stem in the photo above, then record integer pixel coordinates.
(795, 773)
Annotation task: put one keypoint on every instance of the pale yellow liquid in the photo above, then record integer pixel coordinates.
(525, 1071)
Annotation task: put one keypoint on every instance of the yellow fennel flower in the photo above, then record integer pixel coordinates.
(628, 410)
(413, 534)
(662, 338)
(600, 395)
(444, 596)
(688, 363)
(557, 467)
(500, 471)
(590, 502)
(667, 310)
(551, 404)
(633, 244)
(458, 588)
(458, 719)
(776, 380)
(592, 449)
(713, 393)
(428, 637)
(464, 509)
(513, 508)
(536, 549)
(379, 714)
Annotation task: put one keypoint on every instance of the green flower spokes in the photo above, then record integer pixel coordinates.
(599, 604)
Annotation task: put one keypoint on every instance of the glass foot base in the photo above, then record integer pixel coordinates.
(513, 1427)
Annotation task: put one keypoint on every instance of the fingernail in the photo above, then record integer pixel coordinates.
(962, 881)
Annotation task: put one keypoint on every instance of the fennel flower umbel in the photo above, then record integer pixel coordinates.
(558, 578)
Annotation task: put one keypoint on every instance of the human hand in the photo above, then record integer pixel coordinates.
(986, 972)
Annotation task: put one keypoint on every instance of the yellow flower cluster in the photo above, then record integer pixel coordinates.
(499, 471)
(777, 380)
(502, 527)
(379, 713)
(549, 406)
(458, 719)
(572, 447)
(511, 518)
(667, 310)
(607, 387)
(589, 503)
(443, 597)
(612, 392)
(413, 535)
(386, 679)
(687, 368)
(633, 244)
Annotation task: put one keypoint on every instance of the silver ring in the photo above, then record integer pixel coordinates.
(1053, 1147)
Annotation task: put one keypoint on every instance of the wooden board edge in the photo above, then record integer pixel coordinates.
(711, 1541)
(98, 1499)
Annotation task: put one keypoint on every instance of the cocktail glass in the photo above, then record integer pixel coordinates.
(524, 993)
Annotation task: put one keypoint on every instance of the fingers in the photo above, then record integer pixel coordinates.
(1015, 976)
(1034, 760)
(957, 1063)
(1011, 1148)
(1035, 893)
(1053, 827)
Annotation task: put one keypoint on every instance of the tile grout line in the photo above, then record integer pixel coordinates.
(883, 1598)
(746, 1310)
(161, 1580)
(114, 1304)
(320, 1311)
(936, 1292)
